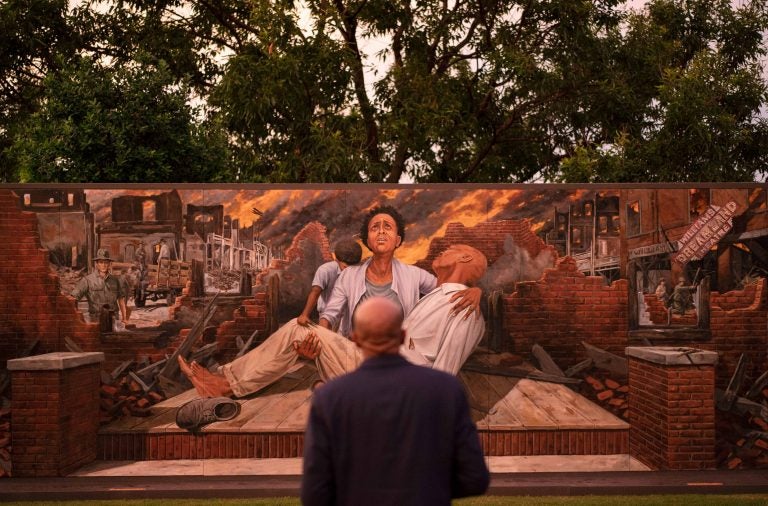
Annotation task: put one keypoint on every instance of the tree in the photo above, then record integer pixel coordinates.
(466, 90)
(695, 107)
(116, 125)
(35, 37)
(498, 91)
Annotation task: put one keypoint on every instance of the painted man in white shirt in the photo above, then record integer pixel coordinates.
(437, 336)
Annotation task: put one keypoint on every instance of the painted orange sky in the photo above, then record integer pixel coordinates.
(427, 211)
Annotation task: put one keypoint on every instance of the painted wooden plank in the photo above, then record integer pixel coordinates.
(490, 412)
(564, 415)
(526, 413)
(601, 418)
(175, 401)
(296, 421)
(155, 423)
(262, 403)
(283, 405)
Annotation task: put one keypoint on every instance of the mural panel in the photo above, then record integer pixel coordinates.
(584, 294)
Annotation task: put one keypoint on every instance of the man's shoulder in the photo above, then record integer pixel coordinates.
(408, 268)
(327, 269)
(328, 266)
(354, 271)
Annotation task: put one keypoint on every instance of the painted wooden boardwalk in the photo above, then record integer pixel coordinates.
(514, 416)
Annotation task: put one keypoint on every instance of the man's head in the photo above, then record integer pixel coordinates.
(102, 260)
(377, 327)
(383, 229)
(460, 263)
(347, 252)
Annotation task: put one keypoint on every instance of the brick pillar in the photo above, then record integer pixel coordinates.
(672, 407)
(55, 412)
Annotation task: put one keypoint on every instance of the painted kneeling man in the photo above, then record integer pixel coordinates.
(435, 337)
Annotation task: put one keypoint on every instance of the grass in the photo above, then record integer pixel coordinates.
(608, 500)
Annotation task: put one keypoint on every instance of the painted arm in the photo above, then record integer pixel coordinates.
(314, 295)
(80, 289)
(334, 309)
(123, 308)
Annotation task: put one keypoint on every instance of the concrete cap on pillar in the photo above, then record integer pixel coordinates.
(55, 361)
(672, 355)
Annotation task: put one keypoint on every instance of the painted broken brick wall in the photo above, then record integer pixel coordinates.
(31, 306)
(563, 309)
(489, 238)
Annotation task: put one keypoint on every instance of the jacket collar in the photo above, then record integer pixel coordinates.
(379, 361)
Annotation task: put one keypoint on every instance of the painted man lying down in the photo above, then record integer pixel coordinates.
(435, 337)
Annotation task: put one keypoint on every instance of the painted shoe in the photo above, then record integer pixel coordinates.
(197, 413)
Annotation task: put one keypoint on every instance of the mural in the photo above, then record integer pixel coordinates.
(585, 287)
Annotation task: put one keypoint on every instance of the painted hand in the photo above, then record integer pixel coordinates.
(469, 298)
(309, 348)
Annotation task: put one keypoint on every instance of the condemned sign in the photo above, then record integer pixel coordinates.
(705, 232)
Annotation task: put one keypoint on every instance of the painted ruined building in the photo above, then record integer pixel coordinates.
(570, 295)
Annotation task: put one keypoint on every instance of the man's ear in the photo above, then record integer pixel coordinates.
(466, 257)
(399, 240)
(353, 337)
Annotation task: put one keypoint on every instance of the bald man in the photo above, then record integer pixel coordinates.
(438, 337)
(390, 432)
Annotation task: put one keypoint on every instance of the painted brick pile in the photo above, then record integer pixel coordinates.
(563, 309)
(55, 419)
(488, 237)
(31, 306)
(672, 413)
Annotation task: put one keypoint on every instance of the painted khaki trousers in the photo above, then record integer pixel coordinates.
(269, 361)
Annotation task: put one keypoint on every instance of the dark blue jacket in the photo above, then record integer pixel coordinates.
(391, 433)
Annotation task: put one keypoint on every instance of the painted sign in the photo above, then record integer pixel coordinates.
(706, 232)
(653, 249)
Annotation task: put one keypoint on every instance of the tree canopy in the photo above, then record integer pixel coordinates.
(462, 91)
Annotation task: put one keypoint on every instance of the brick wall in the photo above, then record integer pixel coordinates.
(308, 250)
(672, 413)
(55, 419)
(249, 317)
(313, 232)
(563, 309)
(488, 237)
(739, 324)
(31, 306)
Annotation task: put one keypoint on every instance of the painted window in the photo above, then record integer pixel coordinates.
(633, 218)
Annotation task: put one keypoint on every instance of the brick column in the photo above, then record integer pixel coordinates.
(55, 412)
(672, 407)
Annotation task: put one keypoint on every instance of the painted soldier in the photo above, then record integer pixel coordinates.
(102, 289)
